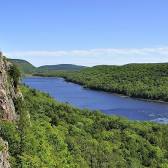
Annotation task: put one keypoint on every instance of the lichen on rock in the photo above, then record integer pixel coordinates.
(8, 92)
(4, 156)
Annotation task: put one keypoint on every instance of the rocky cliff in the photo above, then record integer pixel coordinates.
(8, 95)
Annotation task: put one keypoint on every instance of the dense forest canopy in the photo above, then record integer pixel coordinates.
(148, 81)
(51, 134)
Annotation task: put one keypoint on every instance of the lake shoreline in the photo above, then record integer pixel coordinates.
(108, 103)
(119, 94)
(92, 88)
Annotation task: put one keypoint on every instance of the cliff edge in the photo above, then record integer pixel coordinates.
(9, 93)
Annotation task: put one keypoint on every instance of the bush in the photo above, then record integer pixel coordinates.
(15, 74)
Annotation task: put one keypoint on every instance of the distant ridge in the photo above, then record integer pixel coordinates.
(60, 67)
(27, 68)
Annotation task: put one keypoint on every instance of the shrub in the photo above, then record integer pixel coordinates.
(15, 74)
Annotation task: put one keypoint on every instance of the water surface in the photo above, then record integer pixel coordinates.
(108, 103)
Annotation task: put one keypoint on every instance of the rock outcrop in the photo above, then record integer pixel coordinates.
(8, 96)
(4, 156)
(8, 92)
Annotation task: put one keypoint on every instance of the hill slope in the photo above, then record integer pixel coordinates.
(28, 68)
(64, 67)
(52, 134)
(24, 66)
(149, 81)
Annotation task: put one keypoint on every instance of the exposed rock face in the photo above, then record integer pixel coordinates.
(7, 92)
(4, 156)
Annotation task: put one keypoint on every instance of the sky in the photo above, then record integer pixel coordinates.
(84, 32)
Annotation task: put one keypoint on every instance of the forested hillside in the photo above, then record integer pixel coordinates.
(24, 66)
(28, 69)
(59, 67)
(148, 81)
(50, 134)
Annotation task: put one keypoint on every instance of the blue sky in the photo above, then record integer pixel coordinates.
(85, 32)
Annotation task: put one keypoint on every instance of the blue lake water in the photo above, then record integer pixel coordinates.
(108, 103)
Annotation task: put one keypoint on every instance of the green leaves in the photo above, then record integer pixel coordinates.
(148, 81)
(51, 134)
(15, 74)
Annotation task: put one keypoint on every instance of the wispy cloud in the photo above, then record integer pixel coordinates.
(93, 52)
(96, 56)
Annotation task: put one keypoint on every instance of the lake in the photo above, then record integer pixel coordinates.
(111, 104)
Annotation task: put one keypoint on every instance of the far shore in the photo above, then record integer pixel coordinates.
(118, 94)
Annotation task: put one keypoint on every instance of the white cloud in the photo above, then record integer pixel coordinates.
(93, 52)
(94, 56)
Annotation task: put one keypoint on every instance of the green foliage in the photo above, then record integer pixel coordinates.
(60, 67)
(9, 133)
(24, 66)
(15, 74)
(63, 136)
(52, 134)
(147, 81)
(27, 68)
